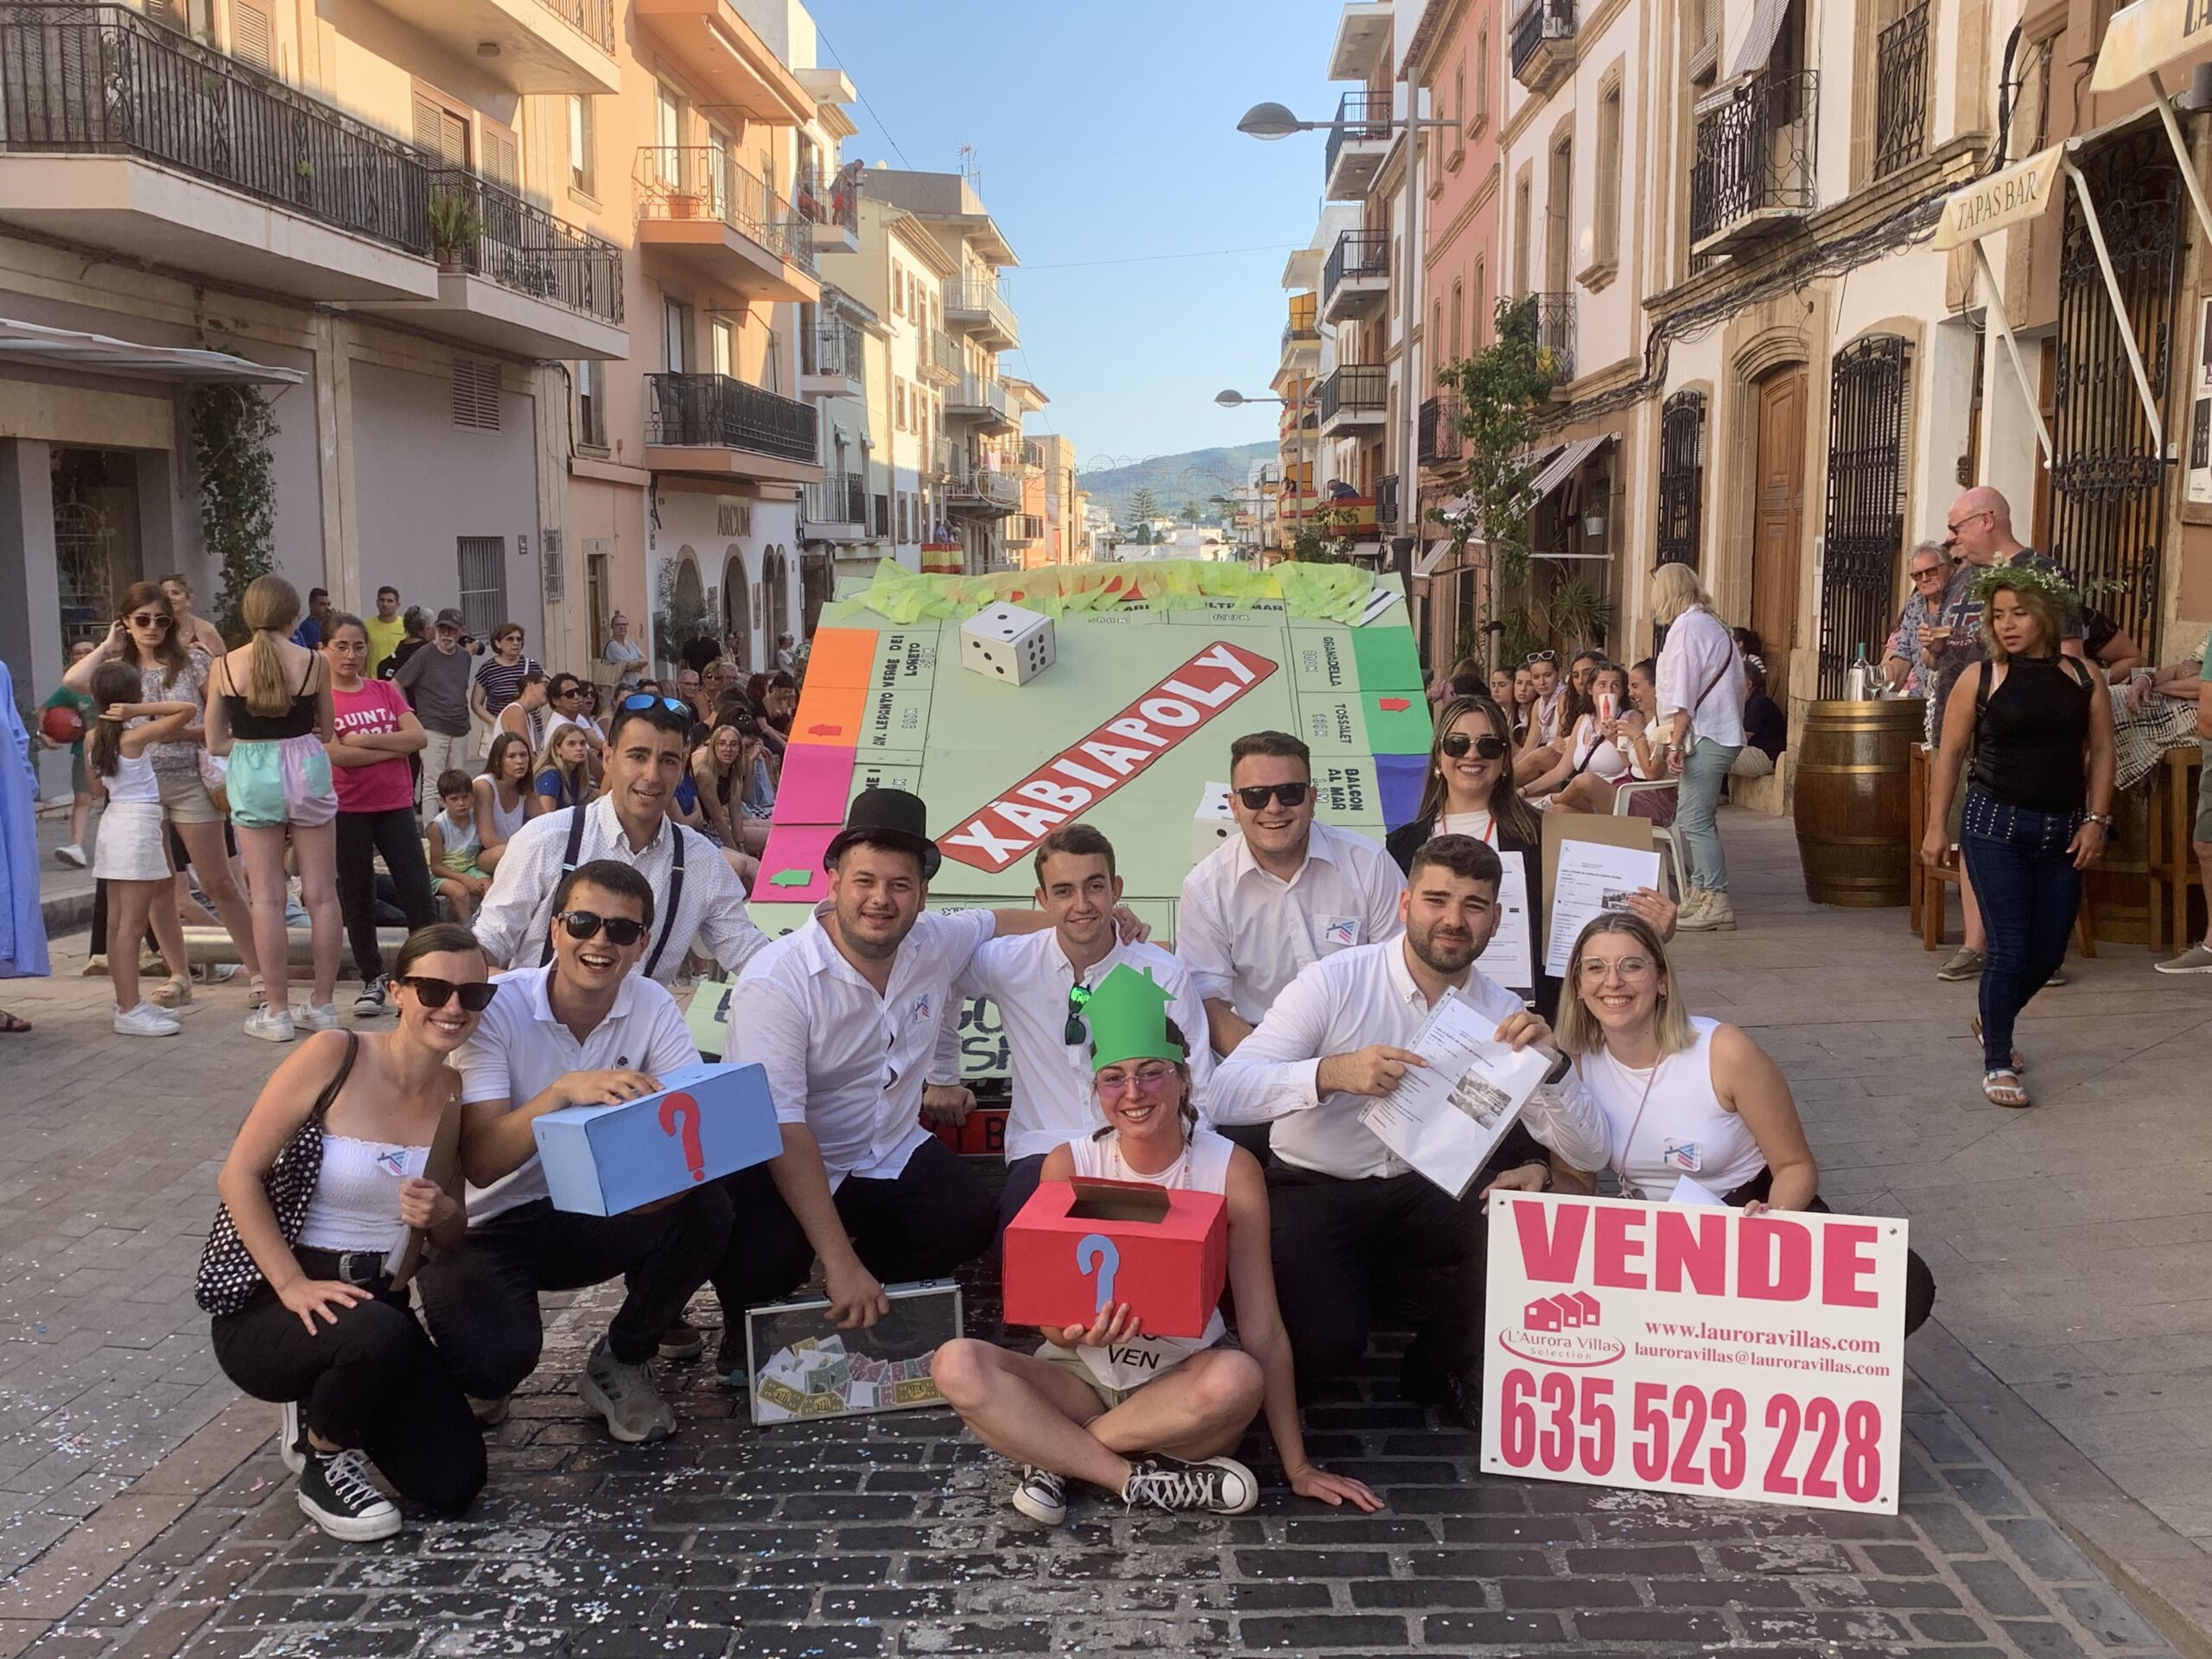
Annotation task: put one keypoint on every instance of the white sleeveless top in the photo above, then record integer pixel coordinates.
(356, 1202)
(1204, 1167)
(1683, 1128)
(1604, 759)
(134, 778)
(505, 821)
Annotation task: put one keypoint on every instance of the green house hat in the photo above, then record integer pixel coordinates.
(1128, 1016)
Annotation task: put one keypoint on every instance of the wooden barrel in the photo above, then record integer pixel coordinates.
(1850, 781)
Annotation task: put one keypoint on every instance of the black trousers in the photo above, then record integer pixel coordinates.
(935, 1216)
(361, 836)
(1022, 1176)
(480, 1299)
(1919, 1279)
(1336, 1240)
(372, 1380)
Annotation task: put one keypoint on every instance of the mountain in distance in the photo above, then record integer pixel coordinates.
(1195, 475)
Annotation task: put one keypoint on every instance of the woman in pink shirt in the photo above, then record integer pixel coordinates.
(375, 731)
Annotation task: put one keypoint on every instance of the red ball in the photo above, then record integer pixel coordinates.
(62, 724)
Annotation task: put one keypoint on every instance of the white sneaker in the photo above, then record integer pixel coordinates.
(2197, 959)
(1042, 1496)
(145, 1021)
(269, 1027)
(292, 1438)
(1693, 901)
(307, 1016)
(72, 856)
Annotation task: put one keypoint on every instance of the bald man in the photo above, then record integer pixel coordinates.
(1978, 533)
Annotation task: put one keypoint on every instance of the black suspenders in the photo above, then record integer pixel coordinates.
(568, 860)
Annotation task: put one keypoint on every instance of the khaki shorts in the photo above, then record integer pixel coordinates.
(1071, 1362)
(185, 799)
(2203, 830)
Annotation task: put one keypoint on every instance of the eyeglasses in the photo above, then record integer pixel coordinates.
(1256, 796)
(150, 619)
(1961, 524)
(587, 924)
(1934, 572)
(1151, 1079)
(646, 700)
(1628, 968)
(1075, 1031)
(475, 995)
(1539, 657)
(1488, 746)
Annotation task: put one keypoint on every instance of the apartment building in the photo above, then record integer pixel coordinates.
(351, 222)
(1307, 363)
(1049, 527)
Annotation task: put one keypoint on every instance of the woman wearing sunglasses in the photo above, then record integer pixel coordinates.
(305, 1312)
(1149, 1419)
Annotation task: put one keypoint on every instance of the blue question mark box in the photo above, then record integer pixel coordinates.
(708, 1121)
(1078, 1245)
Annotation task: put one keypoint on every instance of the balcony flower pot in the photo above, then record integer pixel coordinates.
(683, 204)
(455, 224)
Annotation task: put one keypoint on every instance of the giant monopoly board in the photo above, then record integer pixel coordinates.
(1159, 667)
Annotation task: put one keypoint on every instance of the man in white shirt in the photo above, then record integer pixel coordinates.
(843, 1014)
(565, 699)
(1285, 893)
(582, 1030)
(1350, 1217)
(1040, 982)
(696, 895)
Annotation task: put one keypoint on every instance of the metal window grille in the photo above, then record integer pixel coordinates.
(483, 561)
(1681, 478)
(1901, 91)
(1867, 396)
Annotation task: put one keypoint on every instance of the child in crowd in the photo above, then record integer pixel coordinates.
(133, 857)
(454, 843)
(81, 792)
(1149, 1419)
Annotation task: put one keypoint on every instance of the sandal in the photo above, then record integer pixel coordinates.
(177, 994)
(1999, 1092)
(2019, 1060)
(13, 1025)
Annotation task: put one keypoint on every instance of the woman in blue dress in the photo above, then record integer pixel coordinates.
(23, 926)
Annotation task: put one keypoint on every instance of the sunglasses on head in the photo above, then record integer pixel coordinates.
(646, 700)
(475, 995)
(1075, 1031)
(1489, 745)
(150, 619)
(587, 924)
(1539, 657)
(1256, 796)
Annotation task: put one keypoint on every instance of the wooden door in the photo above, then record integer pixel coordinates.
(1778, 521)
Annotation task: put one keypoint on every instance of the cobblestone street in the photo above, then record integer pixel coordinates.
(150, 1515)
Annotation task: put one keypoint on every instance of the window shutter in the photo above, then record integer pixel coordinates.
(428, 119)
(249, 35)
(500, 164)
(169, 13)
(476, 393)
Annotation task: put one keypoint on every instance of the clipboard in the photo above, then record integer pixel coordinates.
(440, 1166)
(1607, 829)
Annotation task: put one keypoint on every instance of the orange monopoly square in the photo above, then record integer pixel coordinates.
(844, 658)
(828, 714)
(1078, 1245)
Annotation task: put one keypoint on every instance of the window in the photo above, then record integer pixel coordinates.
(591, 404)
(250, 36)
(502, 163)
(483, 561)
(1437, 360)
(1458, 343)
(1459, 111)
(476, 393)
(1608, 227)
(1479, 317)
(725, 348)
(898, 290)
(1481, 78)
(898, 403)
(1521, 235)
(1559, 197)
(583, 146)
(442, 130)
(676, 336)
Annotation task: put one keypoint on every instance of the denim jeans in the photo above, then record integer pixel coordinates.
(1704, 770)
(2029, 890)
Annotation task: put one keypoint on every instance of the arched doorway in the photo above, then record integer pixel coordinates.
(1779, 520)
(688, 610)
(737, 609)
(775, 598)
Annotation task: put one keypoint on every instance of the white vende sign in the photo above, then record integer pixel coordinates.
(1688, 1348)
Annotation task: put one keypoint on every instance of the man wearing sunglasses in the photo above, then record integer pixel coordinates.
(1351, 1219)
(1041, 983)
(1284, 893)
(581, 1030)
(697, 896)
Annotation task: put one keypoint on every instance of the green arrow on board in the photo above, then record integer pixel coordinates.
(788, 879)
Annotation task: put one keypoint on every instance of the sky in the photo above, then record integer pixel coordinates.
(1109, 133)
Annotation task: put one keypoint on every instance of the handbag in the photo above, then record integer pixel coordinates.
(228, 1273)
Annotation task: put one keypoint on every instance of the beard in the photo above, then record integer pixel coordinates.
(863, 945)
(1446, 956)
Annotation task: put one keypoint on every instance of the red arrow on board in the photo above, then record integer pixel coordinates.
(1392, 705)
(824, 731)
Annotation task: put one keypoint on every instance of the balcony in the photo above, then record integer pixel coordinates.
(538, 45)
(1023, 528)
(833, 362)
(1543, 44)
(1437, 440)
(1357, 144)
(1363, 42)
(1357, 279)
(981, 400)
(1901, 92)
(1301, 335)
(123, 135)
(975, 304)
(1352, 398)
(735, 71)
(832, 211)
(1386, 504)
(1555, 334)
(715, 426)
(937, 356)
(969, 489)
(836, 509)
(1752, 177)
(698, 207)
(514, 278)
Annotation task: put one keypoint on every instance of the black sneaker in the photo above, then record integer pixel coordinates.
(1219, 1485)
(338, 1495)
(1422, 1380)
(371, 999)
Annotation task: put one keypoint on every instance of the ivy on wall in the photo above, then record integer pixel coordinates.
(230, 428)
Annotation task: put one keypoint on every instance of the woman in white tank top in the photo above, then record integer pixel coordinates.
(1696, 1111)
(1149, 1418)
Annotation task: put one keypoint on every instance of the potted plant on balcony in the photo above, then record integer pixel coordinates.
(455, 223)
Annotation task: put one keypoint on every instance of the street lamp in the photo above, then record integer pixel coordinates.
(1229, 397)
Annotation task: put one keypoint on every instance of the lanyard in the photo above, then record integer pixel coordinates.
(1635, 1123)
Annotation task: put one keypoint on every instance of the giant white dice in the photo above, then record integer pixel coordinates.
(1213, 823)
(1006, 642)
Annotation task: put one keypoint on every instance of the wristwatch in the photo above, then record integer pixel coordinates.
(2101, 819)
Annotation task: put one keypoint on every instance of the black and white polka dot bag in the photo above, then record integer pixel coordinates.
(228, 1273)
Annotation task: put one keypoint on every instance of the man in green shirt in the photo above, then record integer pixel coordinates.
(80, 785)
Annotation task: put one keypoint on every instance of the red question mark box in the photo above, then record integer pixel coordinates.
(706, 1122)
(1170, 1257)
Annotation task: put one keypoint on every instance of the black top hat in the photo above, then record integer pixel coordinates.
(886, 817)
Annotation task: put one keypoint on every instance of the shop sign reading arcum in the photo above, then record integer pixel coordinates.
(1005, 828)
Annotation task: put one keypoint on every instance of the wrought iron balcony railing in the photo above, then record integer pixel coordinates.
(839, 498)
(834, 202)
(1539, 22)
(593, 19)
(520, 246)
(1755, 154)
(717, 410)
(1024, 528)
(1357, 254)
(1901, 91)
(976, 393)
(969, 486)
(975, 299)
(1361, 117)
(701, 182)
(833, 348)
(103, 79)
(1555, 332)
(1353, 388)
(1436, 436)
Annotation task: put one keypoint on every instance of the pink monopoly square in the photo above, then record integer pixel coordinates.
(791, 866)
(817, 783)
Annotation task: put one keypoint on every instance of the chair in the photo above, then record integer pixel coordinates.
(1666, 834)
(2172, 860)
(1926, 885)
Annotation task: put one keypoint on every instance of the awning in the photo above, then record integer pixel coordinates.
(1431, 556)
(66, 348)
(1565, 463)
(1759, 38)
